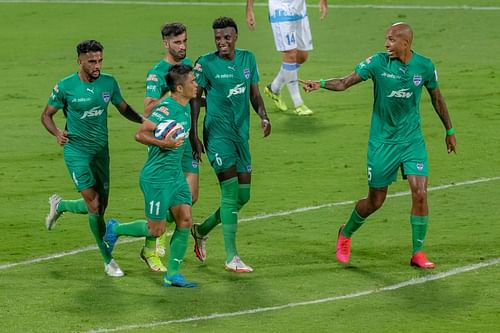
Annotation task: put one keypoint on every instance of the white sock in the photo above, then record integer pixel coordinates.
(284, 76)
(293, 87)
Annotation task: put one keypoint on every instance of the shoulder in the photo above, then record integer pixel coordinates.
(187, 61)
(422, 60)
(107, 78)
(207, 57)
(244, 53)
(68, 81)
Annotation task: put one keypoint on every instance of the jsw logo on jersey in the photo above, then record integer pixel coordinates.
(402, 93)
(238, 89)
(94, 112)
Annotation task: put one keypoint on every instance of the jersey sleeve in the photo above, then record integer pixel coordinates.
(199, 74)
(366, 68)
(431, 80)
(116, 97)
(155, 84)
(56, 98)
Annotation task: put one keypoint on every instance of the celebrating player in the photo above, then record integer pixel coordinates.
(396, 138)
(162, 180)
(84, 97)
(292, 36)
(174, 37)
(229, 78)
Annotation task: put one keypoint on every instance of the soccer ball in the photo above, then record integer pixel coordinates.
(168, 126)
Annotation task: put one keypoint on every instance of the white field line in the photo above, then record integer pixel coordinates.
(411, 282)
(242, 4)
(248, 219)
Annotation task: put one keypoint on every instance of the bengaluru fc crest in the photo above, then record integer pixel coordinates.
(106, 96)
(417, 79)
(246, 72)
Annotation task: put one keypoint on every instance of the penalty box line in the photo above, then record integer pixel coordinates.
(249, 219)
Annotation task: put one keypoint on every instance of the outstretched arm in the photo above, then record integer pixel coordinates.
(260, 109)
(332, 84)
(442, 111)
(129, 113)
(250, 15)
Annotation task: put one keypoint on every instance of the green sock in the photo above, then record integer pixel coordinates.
(98, 228)
(210, 222)
(150, 242)
(353, 224)
(418, 231)
(73, 206)
(138, 228)
(229, 215)
(243, 195)
(178, 247)
(230, 240)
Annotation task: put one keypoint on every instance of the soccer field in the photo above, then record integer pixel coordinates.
(307, 176)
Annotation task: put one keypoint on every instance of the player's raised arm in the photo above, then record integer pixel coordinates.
(441, 109)
(332, 84)
(47, 119)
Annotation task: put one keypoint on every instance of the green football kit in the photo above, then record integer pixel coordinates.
(86, 154)
(85, 106)
(226, 126)
(162, 180)
(396, 138)
(156, 87)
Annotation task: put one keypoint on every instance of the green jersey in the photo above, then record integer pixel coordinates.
(397, 90)
(85, 106)
(164, 165)
(156, 83)
(227, 85)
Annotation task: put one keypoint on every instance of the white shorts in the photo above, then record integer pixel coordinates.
(291, 35)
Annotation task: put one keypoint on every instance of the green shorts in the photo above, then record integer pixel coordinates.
(88, 169)
(160, 197)
(385, 159)
(224, 153)
(189, 164)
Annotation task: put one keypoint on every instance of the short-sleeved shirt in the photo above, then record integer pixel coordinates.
(397, 91)
(227, 84)
(287, 10)
(85, 106)
(156, 83)
(164, 165)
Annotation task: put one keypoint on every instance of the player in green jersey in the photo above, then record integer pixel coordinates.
(84, 98)
(229, 78)
(174, 37)
(396, 139)
(162, 180)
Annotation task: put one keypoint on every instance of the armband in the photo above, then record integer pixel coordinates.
(450, 131)
(322, 83)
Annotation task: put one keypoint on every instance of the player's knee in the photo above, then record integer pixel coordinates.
(289, 56)
(419, 197)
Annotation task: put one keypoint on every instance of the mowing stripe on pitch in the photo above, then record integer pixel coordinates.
(242, 4)
(251, 218)
(412, 282)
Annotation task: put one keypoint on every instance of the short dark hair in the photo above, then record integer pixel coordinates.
(177, 75)
(224, 22)
(172, 29)
(87, 46)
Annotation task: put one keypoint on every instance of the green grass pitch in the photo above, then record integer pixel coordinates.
(307, 163)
